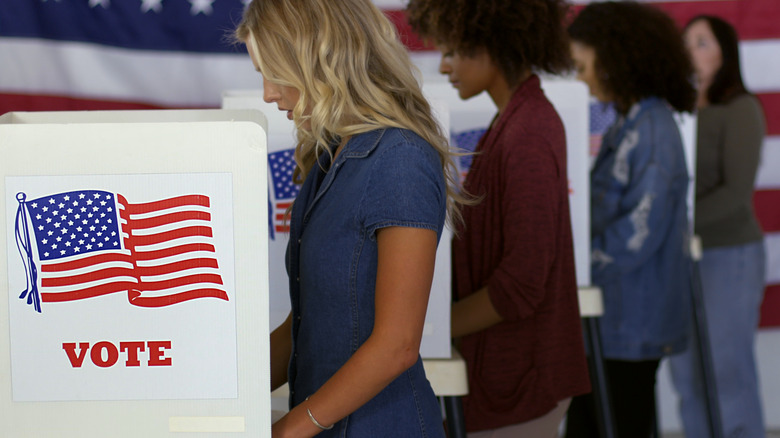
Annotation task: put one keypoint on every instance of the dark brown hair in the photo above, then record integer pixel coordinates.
(639, 53)
(517, 35)
(727, 83)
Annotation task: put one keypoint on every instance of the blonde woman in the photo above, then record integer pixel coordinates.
(377, 183)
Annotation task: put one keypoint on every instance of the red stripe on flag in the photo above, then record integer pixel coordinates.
(410, 39)
(167, 300)
(171, 218)
(177, 266)
(767, 206)
(771, 104)
(38, 102)
(134, 296)
(180, 281)
(753, 19)
(87, 261)
(90, 292)
(152, 207)
(770, 308)
(97, 275)
(170, 235)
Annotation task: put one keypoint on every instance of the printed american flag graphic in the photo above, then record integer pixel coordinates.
(88, 243)
(601, 117)
(284, 191)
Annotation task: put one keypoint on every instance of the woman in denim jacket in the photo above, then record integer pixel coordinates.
(377, 182)
(633, 56)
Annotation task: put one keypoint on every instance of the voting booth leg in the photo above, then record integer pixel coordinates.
(656, 432)
(456, 425)
(598, 378)
(705, 356)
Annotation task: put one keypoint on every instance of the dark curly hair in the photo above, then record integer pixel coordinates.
(727, 83)
(639, 53)
(518, 35)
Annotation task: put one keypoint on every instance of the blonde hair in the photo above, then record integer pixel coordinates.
(352, 72)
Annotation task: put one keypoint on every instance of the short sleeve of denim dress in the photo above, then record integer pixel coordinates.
(382, 178)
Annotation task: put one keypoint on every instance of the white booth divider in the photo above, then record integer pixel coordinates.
(135, 274)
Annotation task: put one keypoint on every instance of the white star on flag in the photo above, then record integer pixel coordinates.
(104, 3)
(151, 5)
(201, 6)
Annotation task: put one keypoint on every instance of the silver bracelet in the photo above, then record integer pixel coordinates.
(314, 420)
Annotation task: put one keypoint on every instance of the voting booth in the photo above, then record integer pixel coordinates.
(135, 274)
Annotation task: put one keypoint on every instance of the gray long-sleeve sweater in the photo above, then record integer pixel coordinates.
(729, 140)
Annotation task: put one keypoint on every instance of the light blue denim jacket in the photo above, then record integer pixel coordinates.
(382, 178)
(639, 232)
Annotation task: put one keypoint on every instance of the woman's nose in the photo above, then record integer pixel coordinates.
(444, 66)
(270, 92)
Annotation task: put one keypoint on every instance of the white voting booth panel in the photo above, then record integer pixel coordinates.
(134, 291)
(686, 123)
(570, 99)
(281, 142)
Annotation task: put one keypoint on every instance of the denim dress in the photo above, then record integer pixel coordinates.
(640, 235)
(382, 178)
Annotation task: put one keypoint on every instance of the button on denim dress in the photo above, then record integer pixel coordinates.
(382, 178)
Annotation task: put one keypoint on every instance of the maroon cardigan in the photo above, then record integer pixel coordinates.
(518, 242)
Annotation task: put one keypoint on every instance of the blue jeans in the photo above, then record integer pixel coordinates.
(733, 286)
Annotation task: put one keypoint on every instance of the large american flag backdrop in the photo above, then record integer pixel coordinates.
(128, 54)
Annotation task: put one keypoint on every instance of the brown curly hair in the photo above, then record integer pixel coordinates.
(517, 35)
(639, 53)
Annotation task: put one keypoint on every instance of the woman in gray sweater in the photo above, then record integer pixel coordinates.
(731, 129)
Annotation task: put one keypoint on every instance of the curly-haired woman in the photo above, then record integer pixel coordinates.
(377, 182)
(633, 56)
(516, 316)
